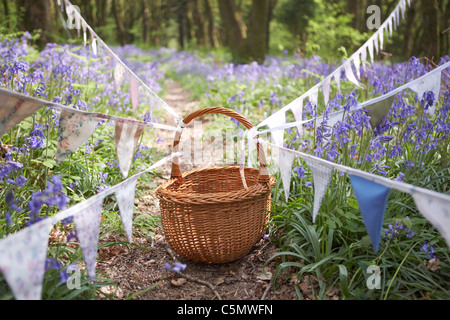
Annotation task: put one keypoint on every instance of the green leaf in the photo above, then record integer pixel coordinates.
(353, 203)
(49, 163)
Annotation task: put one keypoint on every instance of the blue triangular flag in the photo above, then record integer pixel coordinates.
(372, 198)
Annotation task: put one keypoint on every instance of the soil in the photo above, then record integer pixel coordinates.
(140, 271)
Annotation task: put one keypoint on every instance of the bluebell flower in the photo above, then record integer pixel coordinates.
(428, 248)
(300, 171)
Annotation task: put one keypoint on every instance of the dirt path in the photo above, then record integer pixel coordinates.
(138, 269)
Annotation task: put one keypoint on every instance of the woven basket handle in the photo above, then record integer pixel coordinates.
(263, 171)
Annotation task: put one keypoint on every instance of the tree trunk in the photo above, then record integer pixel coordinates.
(431, 36)
(36, 17)
(245, 46)
(121, 30)
(212, 31)
(233, 28)
(257, 32)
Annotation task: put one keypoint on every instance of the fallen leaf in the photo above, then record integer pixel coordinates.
(178, 282)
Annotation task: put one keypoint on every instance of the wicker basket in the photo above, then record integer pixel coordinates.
(207, 214)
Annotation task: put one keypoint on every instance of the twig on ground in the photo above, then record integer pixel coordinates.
(190, 278)
(267, 290)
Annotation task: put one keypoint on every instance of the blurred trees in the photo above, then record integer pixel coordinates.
(248, 28)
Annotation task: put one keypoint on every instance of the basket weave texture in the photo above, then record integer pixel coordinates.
(207, 214)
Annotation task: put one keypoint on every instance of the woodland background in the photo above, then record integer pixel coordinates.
(246, 30)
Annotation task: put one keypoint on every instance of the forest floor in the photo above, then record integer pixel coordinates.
(141, 273)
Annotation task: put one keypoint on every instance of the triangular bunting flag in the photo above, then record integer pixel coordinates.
(357, 63)
(119, 75)
(127, 135)
(314, 96)
(134, 93)
(349, 74)
(390, 22)
(370, 48)
(94, 44)
(372, 198)
(22, 260)
(285, 164)
(379, 110)
(429, 83)
(125, 198)
(87, 224)
(326, 90)
(322, 177)
(363, 57)
(436, 211)
(337, 78)
(381, 37)
(74, 129)
(13, 110)
(297, 109)
(277, 120)
(375, 42)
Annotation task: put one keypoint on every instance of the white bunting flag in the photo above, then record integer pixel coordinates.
(390, 22)
(337, 78)
(363, 57)
(94, 44)
(74, 129)
(322, 177)
(314, 96)
(326, 90)
(375, 42)
(87, 225)
(277, 120)
(22, 260)
(285, 164)
(125, 196)
(297, 109)
(349, 74)
(381, 37)
(370, 48)
(357, 63)
(430, 83)
(436, 211)
(127, 135)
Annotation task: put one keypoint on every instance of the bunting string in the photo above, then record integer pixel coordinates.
(358, 58)
(22, 254)
(429, 82)
(121, 67)
(371, 192)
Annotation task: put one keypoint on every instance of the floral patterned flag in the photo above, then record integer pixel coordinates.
(436, 210)
(87, 225)
(322, 177)
(125, 195)
(74, 129)
(372, 198)
(22, 260)
(13, 110)
(286, 161)
(119, 75)
(127, 135)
